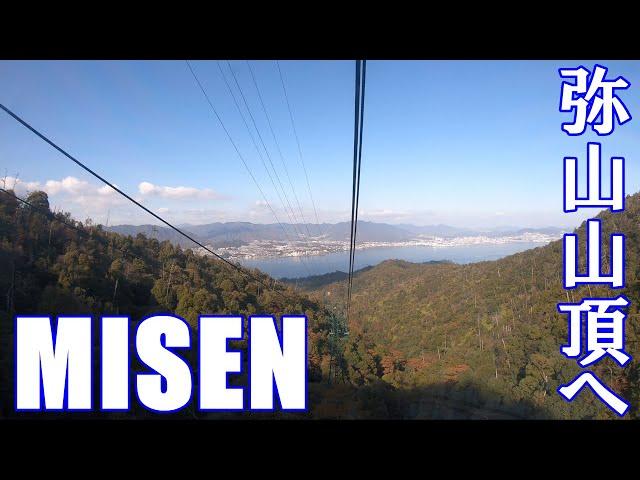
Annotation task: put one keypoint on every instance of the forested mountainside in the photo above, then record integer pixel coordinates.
(49, 268)
(488, 332)
(426, 340)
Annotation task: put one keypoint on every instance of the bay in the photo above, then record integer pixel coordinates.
(294, 267)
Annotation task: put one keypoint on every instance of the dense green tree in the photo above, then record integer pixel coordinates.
(434, 340)
(47, 267)
(490, 326)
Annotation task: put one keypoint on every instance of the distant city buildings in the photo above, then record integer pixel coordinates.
(317, 246)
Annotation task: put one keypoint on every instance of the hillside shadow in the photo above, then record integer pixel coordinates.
(437, 402)
(376, 401)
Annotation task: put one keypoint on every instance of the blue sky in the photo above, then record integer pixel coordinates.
(467, 143)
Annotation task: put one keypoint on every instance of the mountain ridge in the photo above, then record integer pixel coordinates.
(226, 234)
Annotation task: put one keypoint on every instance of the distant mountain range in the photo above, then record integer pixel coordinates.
(241, 233)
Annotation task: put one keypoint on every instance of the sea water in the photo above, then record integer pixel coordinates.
(296, 267)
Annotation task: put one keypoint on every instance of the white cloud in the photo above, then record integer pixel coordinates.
(107, 190)
(79, 197)
(72, 188)
(163, 210)
(71, 185)
(146, 188)
(17, 185)
(177, 193)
